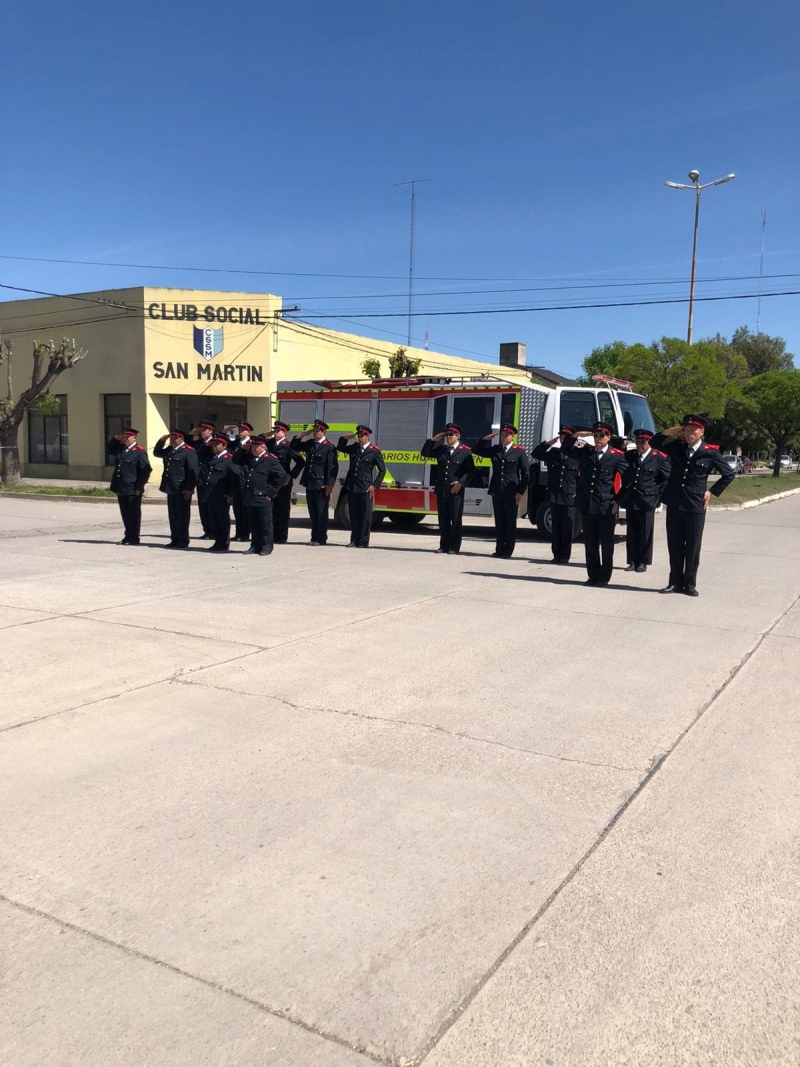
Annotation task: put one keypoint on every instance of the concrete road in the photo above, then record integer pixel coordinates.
(335, 807)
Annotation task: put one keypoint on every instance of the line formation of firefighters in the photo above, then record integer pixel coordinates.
(253, 474)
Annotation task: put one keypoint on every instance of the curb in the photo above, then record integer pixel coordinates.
(756, 503)
(73, 499)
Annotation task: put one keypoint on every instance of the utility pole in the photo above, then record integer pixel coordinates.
(761, 269)
(414, 183)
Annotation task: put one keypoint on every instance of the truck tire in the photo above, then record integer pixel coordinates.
(341, 515)
(405, 518)
(544, 522)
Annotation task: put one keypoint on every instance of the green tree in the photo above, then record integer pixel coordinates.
(762, 352)
(602, 360)
(49, 360)
(677, 377)
(403, 366)
(775, 409)
(371, 367)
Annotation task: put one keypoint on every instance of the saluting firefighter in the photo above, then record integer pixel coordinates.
(454, 470)
(318, 477)
(293, 463)
(216, 489)
(508, 485)
(642, 485)
(132, 472)
(202, 435)
(264, 477)
(239, 448)
(179, 482)
(687, 495)
(365, 474)
(599, 482)
(562, 473)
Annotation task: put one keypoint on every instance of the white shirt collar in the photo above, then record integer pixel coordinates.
(644, 455)
(601, 451)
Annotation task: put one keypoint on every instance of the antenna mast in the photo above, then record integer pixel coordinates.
(413, 184)
(761, 269)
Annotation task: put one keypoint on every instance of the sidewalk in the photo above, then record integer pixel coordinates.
(332, 808)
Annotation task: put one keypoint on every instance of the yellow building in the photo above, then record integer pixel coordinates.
(164, 357)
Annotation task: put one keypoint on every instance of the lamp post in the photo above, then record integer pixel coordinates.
(694, 177)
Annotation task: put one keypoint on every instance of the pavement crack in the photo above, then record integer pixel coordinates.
(268, 1009)
(658, 762)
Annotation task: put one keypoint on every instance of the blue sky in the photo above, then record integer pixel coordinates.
(269, 138)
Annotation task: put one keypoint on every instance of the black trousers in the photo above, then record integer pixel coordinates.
(179, 512)
(205, 521)
(598, 539)
(317, 500)
(562, 519)
(639, 537)
(261, 527)
(361, 505)
(242, 519)
(281, 509)
(130, 508)
(218, 513)
(684, 539)
(504, 505)
(450, 509)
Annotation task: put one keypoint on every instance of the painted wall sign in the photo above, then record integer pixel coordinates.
(219, 373)
(192, 313)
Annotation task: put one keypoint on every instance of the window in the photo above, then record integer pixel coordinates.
(117, 408)
(48, 436)
(475, 415)
(577, 409)
(188, 411)
(636, 412)
(606, 406)
(508, 409)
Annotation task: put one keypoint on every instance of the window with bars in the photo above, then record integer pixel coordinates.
(117, 412)
(48, 436)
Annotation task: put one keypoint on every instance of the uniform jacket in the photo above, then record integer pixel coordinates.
(263, 477)
(180, 468)
(322, 463)
(510, 469)
(599, 479)
(366, 466)
(132, 469)
(644, 480)
(290, 459)
(562, 471)
(688, 478)
(456, 467)
(218, 480)
(204, 453)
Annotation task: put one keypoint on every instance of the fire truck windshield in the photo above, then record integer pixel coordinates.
(636, 412)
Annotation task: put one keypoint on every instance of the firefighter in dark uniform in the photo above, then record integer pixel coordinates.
(642, 485)
(365, 475)
(598, 484)
(454, 471)
(687, 495)
(263, 479)
(201, 443)
(216, 488)
(293, 463)
(562, 473)
(132, 472)
(179, 482)
(318, 477)
(508, 485)
(240, 450)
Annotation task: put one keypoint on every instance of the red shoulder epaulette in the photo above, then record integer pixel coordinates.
(188, 446)
(714, 448)
(374, 448)
(465, 446)
(657, 453)
(519, 448)
(616, 451)
(138, 448)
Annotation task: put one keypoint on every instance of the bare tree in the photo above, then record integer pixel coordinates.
(49, 360)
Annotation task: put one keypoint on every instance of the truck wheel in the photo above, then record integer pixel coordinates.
(544, 520)
(405, 518)
(342, 513)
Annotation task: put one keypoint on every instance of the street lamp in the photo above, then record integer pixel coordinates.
(694, 177)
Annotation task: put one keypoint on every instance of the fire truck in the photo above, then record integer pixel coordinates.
(404, 412)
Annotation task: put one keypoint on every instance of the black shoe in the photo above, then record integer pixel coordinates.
(206, 537)
(505, 555)
(631, 567)
(171, 544)
(251, 552)
(642, 567)
(590, 581)
(671, 589)
(352, 544)
(283, 541)
(265, 552)
(441, 551)
(217, 548)
(691, 590)
(497, 555)
(601, 582)
(124, 541)
(453, 551)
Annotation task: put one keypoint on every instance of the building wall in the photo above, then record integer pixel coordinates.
(156, 343)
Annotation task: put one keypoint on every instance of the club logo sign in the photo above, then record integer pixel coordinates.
(208, 342)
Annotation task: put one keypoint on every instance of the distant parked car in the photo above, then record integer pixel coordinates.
(786, 463)
(735, 463)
